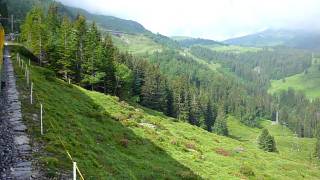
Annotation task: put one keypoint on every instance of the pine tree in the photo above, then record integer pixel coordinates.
(34, 33)
(107, 65)
(89, 65)
(170, 101)
(52, 25)
(220, 127)
(65, 49)
(266, 142)
(209, 117)
(80, 36)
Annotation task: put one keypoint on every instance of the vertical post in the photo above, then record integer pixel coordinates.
(11, 23)
(27, 77)
(25, 70)
(41, 125)
(277, 117)
(29, 62)
(31, 88)
(74, 171)
(69, 81)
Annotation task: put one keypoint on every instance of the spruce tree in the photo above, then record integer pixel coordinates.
(170, 101)
(266, 142)
(65, 49)
(220, 127)
(209, 117)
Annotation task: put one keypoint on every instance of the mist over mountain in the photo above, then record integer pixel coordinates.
(304, 39)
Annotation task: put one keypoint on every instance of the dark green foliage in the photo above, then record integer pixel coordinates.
(220, 126)
(266, 142)
(209, 117)
(260, 66)
(251, 120)
(170, 102)
(4, 14)
(153, 89)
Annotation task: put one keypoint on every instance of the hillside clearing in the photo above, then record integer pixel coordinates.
(308, 82)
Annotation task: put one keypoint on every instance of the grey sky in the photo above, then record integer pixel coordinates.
(214, 19)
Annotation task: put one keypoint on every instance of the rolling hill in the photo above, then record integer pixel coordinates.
(291, 38)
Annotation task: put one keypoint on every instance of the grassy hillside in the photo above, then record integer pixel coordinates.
(234, 49)
(112, 139)
(307, 82)
(136, 44)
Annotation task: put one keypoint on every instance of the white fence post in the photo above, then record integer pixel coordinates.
(25, 72)
(69, 81)
(41, 125)
(31, 92)
(74, 171)
(27, 77)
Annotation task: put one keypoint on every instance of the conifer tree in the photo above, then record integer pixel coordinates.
(80, 36)
(266, 142)
(107, 65)
(33, 31)
(169, 101)
(90, 64)
(209, 117)
(220, 127)
(52, 26)
(66, 49)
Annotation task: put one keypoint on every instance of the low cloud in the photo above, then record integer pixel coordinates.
(214, 19)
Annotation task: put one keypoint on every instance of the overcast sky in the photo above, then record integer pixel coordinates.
(214, 19)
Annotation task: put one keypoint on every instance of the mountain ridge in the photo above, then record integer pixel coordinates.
(301, 39)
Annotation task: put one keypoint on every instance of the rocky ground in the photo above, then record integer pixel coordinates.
(15, 157)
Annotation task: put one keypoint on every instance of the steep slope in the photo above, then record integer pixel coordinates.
(109, 138)
(290, 38)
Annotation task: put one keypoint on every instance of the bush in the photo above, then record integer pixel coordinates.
(124, 142)
(246, 170)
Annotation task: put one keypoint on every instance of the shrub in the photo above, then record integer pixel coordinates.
(124, 142)
(246, 170)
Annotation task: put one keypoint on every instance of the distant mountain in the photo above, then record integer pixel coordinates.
(110, 22)
(187, 42)
(290, 38)
(19, 9)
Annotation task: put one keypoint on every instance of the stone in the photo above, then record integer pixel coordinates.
(19, 140)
